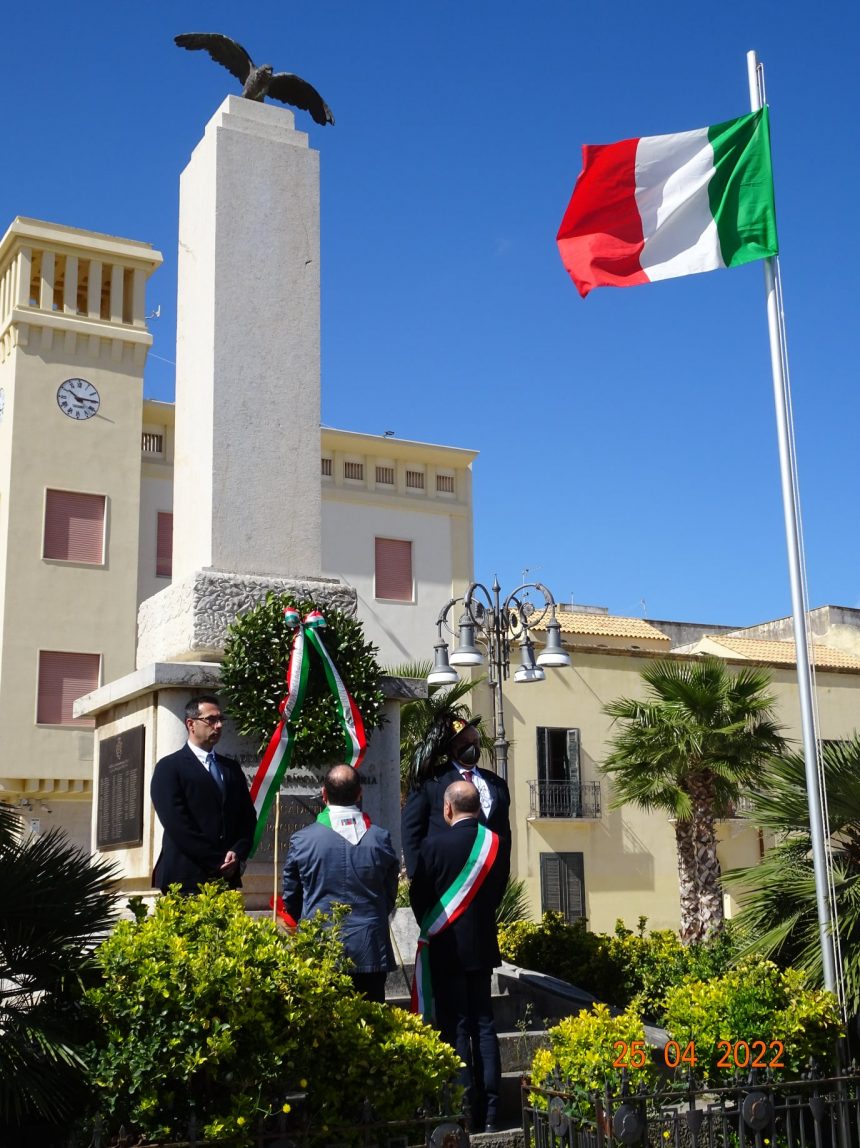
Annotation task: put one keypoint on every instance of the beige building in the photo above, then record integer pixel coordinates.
(86, 497)
(576, 853)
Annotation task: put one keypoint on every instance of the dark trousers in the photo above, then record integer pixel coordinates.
(371, 985)
(464, 1016)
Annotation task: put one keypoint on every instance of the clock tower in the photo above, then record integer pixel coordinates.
(73, 343)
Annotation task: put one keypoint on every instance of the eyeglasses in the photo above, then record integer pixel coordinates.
(212, 720)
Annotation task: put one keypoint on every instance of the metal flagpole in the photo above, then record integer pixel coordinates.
(791, 511)
(275, 855)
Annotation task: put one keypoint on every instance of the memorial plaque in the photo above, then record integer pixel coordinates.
(120, 814)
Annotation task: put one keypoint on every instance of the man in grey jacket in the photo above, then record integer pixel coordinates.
(344, 859)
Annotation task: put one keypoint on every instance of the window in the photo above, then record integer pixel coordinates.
(325, 467)
(445, 483)
(394, 569)
(63, 678)
(74, 526)
(562, 885)
(559, 774)
(415, 480)
(151, 442)
(385, 476)
(164, 545)
(354, 470)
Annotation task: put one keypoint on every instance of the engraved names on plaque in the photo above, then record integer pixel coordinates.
(120, 814)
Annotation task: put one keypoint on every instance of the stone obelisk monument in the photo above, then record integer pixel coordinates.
(247, 504)
(247, 495)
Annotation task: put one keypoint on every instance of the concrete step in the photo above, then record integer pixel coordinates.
(518, 1048)
(504, 1138)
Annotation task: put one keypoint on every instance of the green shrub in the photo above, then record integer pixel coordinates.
(204, 1009)
(583, 1050)
(253, 679)
(619, 968)
(570, 952)
(755, 1002)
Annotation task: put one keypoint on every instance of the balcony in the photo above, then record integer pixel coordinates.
(565, 799)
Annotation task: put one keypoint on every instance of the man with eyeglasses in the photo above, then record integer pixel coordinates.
(203, 803)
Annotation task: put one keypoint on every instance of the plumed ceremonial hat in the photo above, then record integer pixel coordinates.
(431, 753)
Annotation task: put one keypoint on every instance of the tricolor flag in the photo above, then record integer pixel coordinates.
(663, 206)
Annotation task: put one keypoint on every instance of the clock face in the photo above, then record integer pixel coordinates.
(77, 398)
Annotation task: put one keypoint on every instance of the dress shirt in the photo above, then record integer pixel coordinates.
(348, 821)
(479, 784)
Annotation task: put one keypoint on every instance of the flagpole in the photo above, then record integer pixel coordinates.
(791, 511)
(275, 855)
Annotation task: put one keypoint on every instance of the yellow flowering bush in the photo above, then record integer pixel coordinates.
(203, 1009)
(584, 1050)
(756, 1012)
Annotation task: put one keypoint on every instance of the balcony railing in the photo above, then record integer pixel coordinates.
(565, 799)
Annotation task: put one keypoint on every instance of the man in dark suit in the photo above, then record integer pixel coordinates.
(454, 751)
(465, 951)
(344, 859)
(203, 803)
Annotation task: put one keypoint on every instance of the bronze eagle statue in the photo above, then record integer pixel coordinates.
(258, 82)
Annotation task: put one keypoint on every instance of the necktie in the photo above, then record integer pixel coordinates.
(215, 770)
(467, 776)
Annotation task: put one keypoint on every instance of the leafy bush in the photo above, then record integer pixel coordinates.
(583, 1049)
(204, 1009)
(754, 1002)
(619, 968)
(253, 678)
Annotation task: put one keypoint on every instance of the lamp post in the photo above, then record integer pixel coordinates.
(498, 624)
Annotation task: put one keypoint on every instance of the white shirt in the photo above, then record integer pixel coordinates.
(348, 821)
(479, 784)
(200, 754)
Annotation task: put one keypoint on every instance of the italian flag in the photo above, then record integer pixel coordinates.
(662, 206)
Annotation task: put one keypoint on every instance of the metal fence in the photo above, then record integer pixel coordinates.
(750, 1113)
(564, 799)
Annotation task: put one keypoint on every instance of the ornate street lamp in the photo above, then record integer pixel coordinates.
(496, 625)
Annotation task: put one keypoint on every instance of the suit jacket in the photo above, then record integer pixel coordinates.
(423, 812)
(470, 944)
(322, 868)
(200, 826)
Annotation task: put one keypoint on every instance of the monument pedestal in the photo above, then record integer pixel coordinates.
(154, 698)
(188, 620)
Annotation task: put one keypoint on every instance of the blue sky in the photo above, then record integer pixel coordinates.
(627, 442)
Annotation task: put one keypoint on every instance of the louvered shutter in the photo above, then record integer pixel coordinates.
(574, 772)
(550, 883)
(164, 545)
(74, 526)
(562, 884)
(63, 678)
(394, 569)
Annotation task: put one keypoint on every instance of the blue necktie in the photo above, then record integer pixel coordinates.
(215, 771)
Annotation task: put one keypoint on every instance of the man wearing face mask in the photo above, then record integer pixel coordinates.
(451, 752)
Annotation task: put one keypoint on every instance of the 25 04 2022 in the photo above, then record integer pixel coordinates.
(732, 1054)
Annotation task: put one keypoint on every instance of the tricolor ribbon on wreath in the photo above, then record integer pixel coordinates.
(453, 902)
(276, 759)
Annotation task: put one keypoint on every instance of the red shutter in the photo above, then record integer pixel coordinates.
(74, 526)
(63, 678)
(164, 545)
(394, 569)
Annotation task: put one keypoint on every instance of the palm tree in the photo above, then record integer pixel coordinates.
(55, 903)
(700, 738)
(779, 916)
(417, 717)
